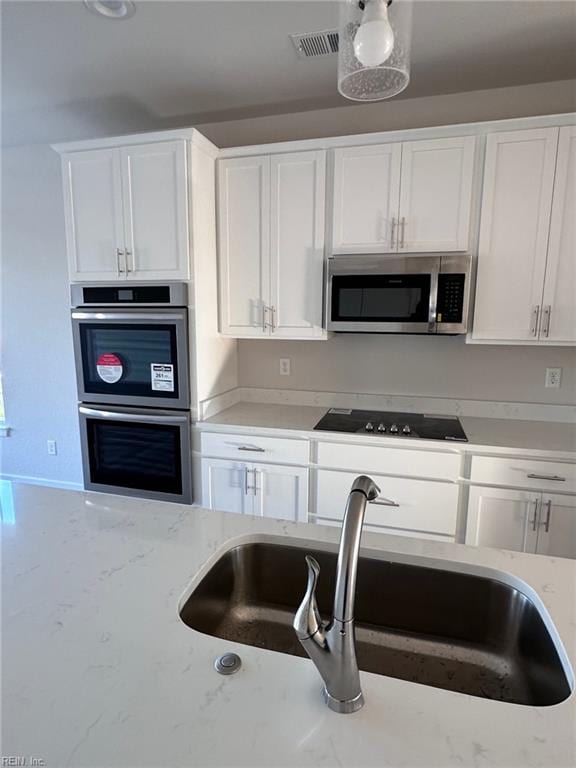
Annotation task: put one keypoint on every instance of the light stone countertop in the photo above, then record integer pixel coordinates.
(99, 670)
(530, 437)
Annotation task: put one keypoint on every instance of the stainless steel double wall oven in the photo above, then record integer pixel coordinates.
(132, 369)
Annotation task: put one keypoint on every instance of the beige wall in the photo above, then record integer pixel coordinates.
(397, 114)
(443, 367)
(411, 365)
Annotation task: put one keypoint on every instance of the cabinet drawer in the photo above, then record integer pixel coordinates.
(422, 505)
(524, 473)
(396, 461)
(391, 531)
(255, 448)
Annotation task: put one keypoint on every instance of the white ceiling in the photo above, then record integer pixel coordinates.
(215, 59)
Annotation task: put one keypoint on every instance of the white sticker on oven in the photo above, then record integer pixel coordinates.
(162, 377)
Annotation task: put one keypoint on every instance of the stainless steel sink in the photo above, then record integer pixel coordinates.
(447, 629)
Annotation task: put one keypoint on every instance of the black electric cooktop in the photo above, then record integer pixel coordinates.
(393, 423)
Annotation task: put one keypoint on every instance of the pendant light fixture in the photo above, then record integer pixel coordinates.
(374, 48)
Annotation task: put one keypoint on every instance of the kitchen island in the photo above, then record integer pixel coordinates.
(99, 669)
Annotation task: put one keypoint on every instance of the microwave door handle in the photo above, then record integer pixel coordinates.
(144, 417)
(433, 306)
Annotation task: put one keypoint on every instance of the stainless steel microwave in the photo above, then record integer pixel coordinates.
(411, 294)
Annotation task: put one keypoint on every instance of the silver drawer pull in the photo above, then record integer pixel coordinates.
(382, 502)
(252, 450)
(556, 478)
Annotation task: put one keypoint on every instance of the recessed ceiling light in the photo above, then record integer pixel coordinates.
(112, 9)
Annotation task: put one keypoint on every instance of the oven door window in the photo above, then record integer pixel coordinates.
(141, 456)
(130, 359)
(381, 298)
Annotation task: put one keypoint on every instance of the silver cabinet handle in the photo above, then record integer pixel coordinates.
(546, 320)
(403, 225)
(535, 520)
(556, 478)
(534, 322)
(264, 318)
(392, 232)
(247, 486)
(546, 523)
(382, 502)
(255, 486)
(119, 253)
(272, 311)
(128, 268)
(254, 449)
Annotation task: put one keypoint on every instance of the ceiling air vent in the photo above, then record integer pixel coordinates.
(316, 43)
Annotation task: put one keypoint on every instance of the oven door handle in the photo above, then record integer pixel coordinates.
(128, 316)
(121, 416)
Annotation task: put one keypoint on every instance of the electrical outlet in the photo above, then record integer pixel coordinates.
(553, 377)
(284, 366)
(51, 447)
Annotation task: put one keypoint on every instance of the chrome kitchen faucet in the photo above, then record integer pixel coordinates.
(332, 646)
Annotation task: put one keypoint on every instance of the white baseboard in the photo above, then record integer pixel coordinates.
(64, 484)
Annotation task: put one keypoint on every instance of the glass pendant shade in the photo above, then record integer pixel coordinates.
(373, 80)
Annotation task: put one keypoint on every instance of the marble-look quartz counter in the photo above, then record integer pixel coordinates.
(99, 670)
(530, 437)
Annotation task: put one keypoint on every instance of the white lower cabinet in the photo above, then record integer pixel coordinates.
(557, 526)
(522, 521)
(255, 489)
(420, 507)
(502, 518)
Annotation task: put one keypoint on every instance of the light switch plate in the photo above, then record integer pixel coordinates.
(285, 366)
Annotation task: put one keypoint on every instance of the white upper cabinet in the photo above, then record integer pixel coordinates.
(297, 244)
(154, 184)
(93, 214)
(559, 302)
(244, 245)
(436, 195)
(366, 196)
(126, 212)
(409, 197)
(271, 245)
(516, 206)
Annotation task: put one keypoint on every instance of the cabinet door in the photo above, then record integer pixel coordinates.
(516, 204)
(226, 486)
(559, 318)
(93, 214)
(416, 505)
(557, 530)
(155, 190)
(366, 194)
(282, 492)
(244, 245)
(436, 193)
(297, 244)
(502, 519)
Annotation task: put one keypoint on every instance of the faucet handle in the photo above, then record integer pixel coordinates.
(307, 620)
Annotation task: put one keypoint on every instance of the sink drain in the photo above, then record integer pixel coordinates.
(228, 663)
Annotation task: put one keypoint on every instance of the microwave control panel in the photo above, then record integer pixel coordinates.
(450, 297)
